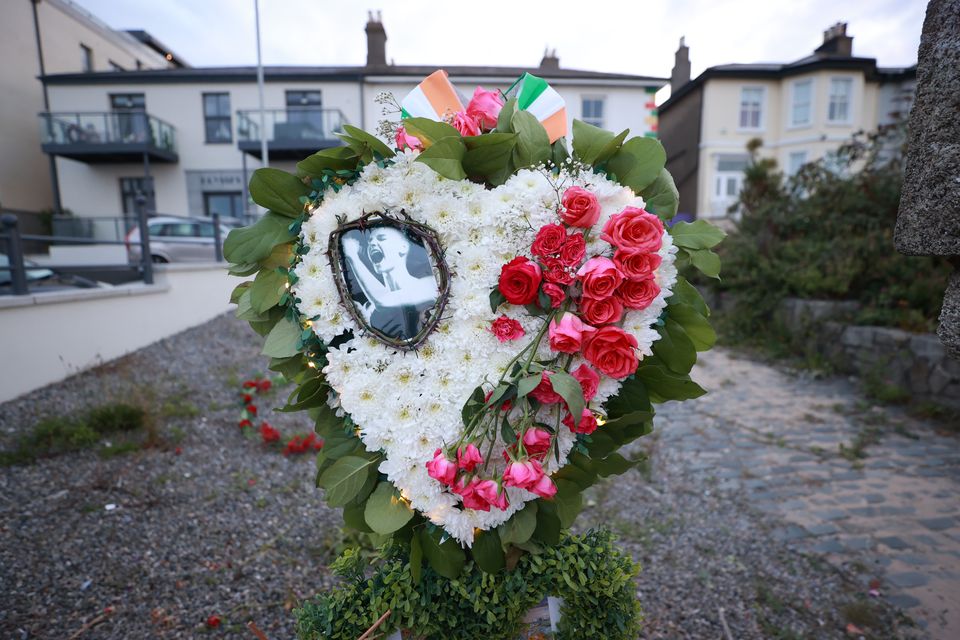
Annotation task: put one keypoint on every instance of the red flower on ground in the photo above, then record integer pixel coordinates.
(251, 409)
(264, 385)
(250, 384)
(245, 423)
(247, 398)
(213, 621)
(268, 433)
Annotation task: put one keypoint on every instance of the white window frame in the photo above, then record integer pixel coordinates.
(603, 108)
(761, 118)
(848, 80)
(791, 113)
(791, 170)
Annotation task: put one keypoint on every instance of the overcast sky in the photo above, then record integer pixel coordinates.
(629, 36)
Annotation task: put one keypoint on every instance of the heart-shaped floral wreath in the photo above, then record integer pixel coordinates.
(475, 322)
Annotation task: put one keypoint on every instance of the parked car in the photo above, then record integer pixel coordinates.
(174, 239)
(42, 279)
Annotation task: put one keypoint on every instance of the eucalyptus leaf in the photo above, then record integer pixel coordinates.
(572, 393)
(527, 384)
(447, 558)
(569, 502)
(505, 117)
(694, 325)
(283, 340)
(386, 511)
(254, 243)
(488, 153)
(638, 163)
(520, 526)
(445, 157)
(594, 145)
(706, 261)
(698, 234)
(267, 288)
(416, 559)
(614, 464)
(487, 551)
(353, 518)
(370, 140)
(631, 397)
(686, 293)
(332, 159)
(548, 524)
(661, 196)
(344, 479)
(533, 143)
(278, 191)
(675, 348)
(429, 132)
(667, 385)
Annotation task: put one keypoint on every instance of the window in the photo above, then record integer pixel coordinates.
(216, 117)
(802, 102)
(304, 117)
(795, 160)
(130, 119)
(592, 111)
(86, 58)
(229, 204)
(130, 187)
(727, 183)
(840, 92)
(751, 107)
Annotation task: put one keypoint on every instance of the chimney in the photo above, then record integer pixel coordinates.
(836, 42)
(681, 67)
(376, 40)
(550, 61)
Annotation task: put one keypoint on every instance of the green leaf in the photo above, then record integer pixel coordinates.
(343, 481)
(287, 367)
(614, 464)
(602, 443)
(533, 143)
(332, 159)
(447, 559)
(353, 517)
(706, 261)
(570, 390)
(267, 288)
(638, 163)
(473, 405)
(569, 502)
(506, 116)
(445, 157)
(675, 348)
(661, 196)
(416, 559)
(698, 234)
(386, 511)
(667, 385)
(278, 191)
(527, 384)
(254, 243)
(488, 153)
(593, 145)
(548, 524)
(429, 132)
(243, 270)
(694, 325)
(283, 340)
(686, 293)
(496, 299)
(245, 310)
(520, 526)
(631, 398)
(558, 151)
(372, 141)
(488, 552)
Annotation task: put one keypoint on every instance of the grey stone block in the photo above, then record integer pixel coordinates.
(907, 579)
(939, 524)
(895, 543)
(927, 347)
(857, 336)
(939, 379)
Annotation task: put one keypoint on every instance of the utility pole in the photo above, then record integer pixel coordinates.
(263, 128)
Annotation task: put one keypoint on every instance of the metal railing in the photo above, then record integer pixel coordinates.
(107, 127)
(293, 124)
(13, 241)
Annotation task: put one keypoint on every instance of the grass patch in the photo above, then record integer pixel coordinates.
(179, 408)
(857, 449)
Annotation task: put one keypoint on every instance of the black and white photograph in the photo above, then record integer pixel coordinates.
(390, 276)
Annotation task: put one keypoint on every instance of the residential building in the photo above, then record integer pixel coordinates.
(189, 137)
(39, 37)
(802, 111)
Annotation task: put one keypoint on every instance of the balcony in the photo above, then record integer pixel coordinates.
(291, 133)
(108, 137)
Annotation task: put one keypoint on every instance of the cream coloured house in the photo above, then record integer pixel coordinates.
(801, 111)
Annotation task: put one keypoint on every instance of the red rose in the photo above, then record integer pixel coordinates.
(557, 294)
(580, 207)
(549, 240)
(612, 351)
(520, 281)
(599, 311)
(634, 229)
(573, 250)
(556, 272)
(544, 391)
(635, 264)
(506, 329)
(588, 379)
(466, 124)
(638, 294)
(587, 425)
(600, 277)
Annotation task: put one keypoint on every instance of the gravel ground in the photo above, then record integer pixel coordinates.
(227, 528)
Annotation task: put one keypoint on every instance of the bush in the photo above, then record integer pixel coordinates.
(827, 233)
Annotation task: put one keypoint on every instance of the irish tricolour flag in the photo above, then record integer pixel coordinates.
(434, 98)
(542, 100)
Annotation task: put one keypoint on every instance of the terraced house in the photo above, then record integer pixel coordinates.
(801, 111)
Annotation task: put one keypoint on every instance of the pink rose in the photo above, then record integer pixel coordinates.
(505, 406)
(556, 294)
(638, 294)
(600, 277)
(635, 230)
(506, 329)
(404, 140)
(635, 264)
(544, 487)
(573, 250)
(520, 281)
(469, 458)
(544, 392)
(587, 424)
(556, 271)
(550, 239)
(442, 469)
(522, 474)
(589, 381)
(599, 311)
(567, 335)
(489, 491)
(485, 107)
(468, 492)
(466, 124)
(613, 351)
(536, 441)
(580, 207)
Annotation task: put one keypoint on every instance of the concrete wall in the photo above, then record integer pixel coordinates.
(47, 337)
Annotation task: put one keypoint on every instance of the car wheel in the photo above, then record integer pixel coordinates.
(158, 259)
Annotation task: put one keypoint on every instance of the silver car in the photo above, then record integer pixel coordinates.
(174, 239)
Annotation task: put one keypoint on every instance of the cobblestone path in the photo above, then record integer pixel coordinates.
(872, 490)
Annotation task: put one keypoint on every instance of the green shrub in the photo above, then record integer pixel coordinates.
(592, 576)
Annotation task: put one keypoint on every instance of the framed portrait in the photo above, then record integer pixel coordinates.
(391, 277)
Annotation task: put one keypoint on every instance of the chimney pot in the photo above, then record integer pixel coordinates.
(550, 61)
(376, 40)
(680, 75)
(836, 42)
